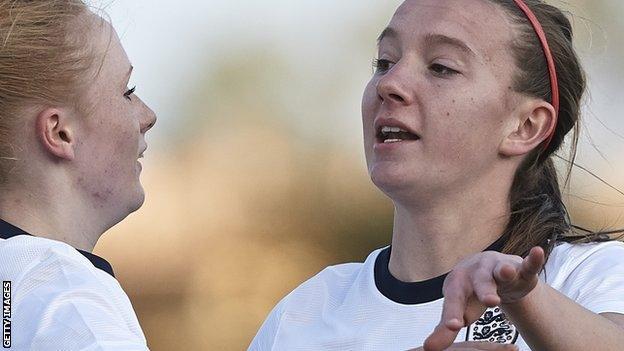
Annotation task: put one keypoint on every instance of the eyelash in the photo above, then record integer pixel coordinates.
(382, 65)
(129, 92)
(449, 71)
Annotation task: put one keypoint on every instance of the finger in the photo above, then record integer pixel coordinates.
(456, 290)
(485, 287)
(441, 338)
(452, 319)
(454, 307)
(533, 263)
(505, 272)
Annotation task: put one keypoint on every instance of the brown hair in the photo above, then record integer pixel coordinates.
(538, 214)
(43, 61)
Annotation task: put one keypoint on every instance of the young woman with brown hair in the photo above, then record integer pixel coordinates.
(71, 136)
(469, 102)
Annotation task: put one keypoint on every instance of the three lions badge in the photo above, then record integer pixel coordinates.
(493, 326)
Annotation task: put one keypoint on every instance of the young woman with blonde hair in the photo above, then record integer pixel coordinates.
(468, 104)
(71, 136)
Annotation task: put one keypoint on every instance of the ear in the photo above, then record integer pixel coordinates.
(532, 122)
(55, 132)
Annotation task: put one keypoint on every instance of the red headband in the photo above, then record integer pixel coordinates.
(551, 65)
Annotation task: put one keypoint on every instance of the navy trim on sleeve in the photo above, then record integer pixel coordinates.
(8, 230)
(416, 292)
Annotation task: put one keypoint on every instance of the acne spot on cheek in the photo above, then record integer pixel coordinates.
(448, 113)
(103, 195)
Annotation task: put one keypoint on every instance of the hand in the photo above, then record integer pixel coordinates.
(487, 279)
(477, 346)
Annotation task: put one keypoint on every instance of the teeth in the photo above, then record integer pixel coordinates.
(388, 141)
(386, 129)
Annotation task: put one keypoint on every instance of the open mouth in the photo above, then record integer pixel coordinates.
(389, 135)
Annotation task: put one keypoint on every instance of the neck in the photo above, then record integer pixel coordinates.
(428, 241)
(51, 216)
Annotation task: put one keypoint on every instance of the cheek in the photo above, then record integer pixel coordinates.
(370, 107)
(370, 101)
(467, 129)
(111, 166)
(116, 145)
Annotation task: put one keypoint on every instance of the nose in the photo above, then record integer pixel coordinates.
(392, 89)
(147, 120)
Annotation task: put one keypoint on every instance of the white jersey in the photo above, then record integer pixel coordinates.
(58, 298)
(360, 306)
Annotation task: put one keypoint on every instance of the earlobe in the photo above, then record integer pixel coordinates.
(55, 133)
(535, 121)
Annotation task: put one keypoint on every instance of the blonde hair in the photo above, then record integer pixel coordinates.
(43, 61)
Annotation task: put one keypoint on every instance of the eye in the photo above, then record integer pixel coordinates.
(442, 70)
(129, 92)
(381, 65)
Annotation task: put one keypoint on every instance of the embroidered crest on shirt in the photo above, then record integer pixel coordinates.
(492, 326)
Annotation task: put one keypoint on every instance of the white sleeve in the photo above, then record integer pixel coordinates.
(59, 304)
(597, 279)
(265, 338)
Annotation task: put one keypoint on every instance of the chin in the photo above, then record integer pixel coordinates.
(391, 179)
(136, 200)
(403, 185)
(139, 199)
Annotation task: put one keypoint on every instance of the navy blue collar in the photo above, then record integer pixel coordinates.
(8, 230)
(416, 292)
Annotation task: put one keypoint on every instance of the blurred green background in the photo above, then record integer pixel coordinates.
(255, 173)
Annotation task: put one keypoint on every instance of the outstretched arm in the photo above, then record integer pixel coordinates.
(549, 320)
(546, 319)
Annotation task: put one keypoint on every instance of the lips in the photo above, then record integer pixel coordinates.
(141, 154)
(390, 130)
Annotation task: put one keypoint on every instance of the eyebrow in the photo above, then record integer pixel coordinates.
(430, 40)
(387, 32)
(440, 39)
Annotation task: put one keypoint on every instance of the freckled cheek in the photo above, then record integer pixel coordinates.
(128, 146)
(453, 131)
(120, 148)
(451, 141)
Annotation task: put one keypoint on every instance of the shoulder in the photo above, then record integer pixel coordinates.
(331, 284)
(591, 274)
(326, 289)
(61, 301)
(341, 275)
(570, 256)
(23, 253)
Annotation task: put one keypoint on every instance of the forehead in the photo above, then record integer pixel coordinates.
(481, 24)
(104, 44)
